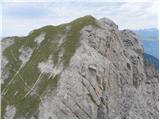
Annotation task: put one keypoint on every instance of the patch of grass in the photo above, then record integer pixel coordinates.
(27, 106)
(73, 38)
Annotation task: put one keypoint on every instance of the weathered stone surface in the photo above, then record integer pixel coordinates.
(25, 54)
(10, 112)
(105, 79)
(6, 43)
(40, 38)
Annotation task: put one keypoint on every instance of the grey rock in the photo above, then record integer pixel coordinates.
(40, 38)
(106, 78)
(10, 112)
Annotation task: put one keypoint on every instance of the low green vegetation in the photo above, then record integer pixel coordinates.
(26, 106)
(72, 40)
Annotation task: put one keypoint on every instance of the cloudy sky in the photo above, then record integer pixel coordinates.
(19, 17)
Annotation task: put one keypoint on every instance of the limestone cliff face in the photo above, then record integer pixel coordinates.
(106, 77)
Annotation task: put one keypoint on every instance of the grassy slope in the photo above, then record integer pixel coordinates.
(27, 106)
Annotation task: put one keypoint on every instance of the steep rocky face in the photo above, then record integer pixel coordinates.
(84, 69)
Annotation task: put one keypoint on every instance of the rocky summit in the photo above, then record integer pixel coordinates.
(87, 68)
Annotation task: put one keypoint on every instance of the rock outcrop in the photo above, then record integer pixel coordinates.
(103, 74)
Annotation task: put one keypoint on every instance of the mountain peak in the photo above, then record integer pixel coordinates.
(83, 69)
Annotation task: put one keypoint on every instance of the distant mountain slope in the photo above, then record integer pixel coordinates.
(152, 60)
(149, 37)
(148, 34)
(151, 47)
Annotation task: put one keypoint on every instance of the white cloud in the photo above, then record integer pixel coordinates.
(78, 0)
(133, 15)
(0, 20)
